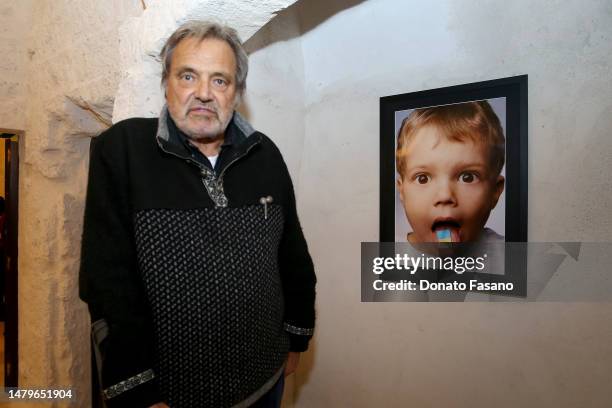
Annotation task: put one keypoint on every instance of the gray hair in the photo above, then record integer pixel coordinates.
(201, 30)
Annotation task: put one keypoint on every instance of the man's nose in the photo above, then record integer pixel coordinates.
(445, 194)
(202, 91)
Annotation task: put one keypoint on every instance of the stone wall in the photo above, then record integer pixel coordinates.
(63, 77)
(14, 34)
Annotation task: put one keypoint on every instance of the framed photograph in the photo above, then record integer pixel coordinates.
(453, 163)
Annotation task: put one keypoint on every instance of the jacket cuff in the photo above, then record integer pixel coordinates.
(298, 337)
(140, 391)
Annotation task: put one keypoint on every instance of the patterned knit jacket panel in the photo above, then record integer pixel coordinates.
(212, 279)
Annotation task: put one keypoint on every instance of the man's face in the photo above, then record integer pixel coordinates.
(447, 185)
(201, 87)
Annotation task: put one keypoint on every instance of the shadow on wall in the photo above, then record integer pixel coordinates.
(308, 13)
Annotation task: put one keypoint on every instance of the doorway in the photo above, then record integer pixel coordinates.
(9, 205)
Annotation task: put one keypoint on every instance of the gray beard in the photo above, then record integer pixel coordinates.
(207, 138)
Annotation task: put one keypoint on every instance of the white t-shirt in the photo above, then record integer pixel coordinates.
(213, 160)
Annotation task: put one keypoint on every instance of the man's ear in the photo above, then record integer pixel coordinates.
(498, 190)
(238, 98)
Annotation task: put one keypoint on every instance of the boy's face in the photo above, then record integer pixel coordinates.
(447, 184)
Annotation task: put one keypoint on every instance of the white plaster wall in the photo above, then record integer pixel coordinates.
(459, 355)
(274, 100)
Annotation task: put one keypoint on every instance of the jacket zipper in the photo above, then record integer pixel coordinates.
(204, 168)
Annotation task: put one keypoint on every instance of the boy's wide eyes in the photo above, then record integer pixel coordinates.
(468, 177)
(422, 178)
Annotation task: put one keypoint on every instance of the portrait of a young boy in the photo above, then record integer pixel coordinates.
(449, 162)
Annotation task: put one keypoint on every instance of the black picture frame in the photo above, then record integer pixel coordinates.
(514, 90)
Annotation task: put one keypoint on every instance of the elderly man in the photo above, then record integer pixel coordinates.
(194, 264)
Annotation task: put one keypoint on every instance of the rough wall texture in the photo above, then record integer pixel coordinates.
(14, 34)
(69, 72)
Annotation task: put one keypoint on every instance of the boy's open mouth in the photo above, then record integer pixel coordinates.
(449, 224)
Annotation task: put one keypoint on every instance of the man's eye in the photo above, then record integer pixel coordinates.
(187, 76)
(422, 178)
(219, 81)
(468, 177)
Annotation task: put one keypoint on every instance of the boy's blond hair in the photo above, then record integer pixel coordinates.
(473, 121)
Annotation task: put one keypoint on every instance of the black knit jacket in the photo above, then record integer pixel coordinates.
(202, 278)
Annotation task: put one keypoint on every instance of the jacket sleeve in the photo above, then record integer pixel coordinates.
(297, 274)
(110, 284)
